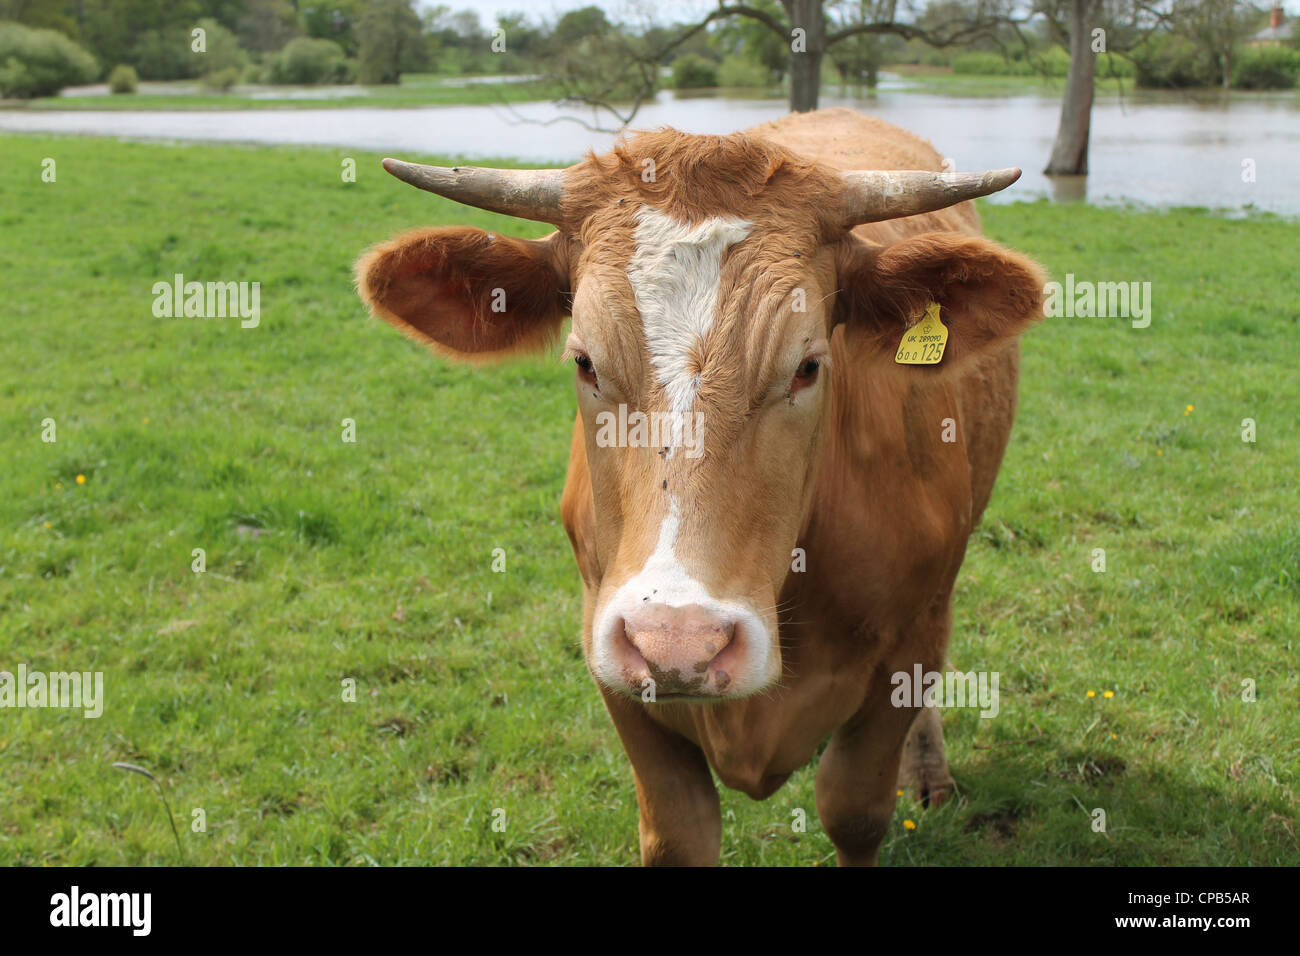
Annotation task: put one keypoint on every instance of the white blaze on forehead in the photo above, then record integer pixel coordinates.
(675, 272)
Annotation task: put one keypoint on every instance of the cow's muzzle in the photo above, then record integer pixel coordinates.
(662, 651)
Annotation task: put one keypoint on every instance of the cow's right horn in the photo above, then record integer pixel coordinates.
(526, 193)
(876, 195)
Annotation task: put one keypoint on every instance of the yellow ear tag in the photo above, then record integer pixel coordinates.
(923, 343)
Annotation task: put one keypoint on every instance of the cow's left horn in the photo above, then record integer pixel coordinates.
(526, 193)
(876, 195)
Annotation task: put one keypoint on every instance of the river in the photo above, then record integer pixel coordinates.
(1158, 149)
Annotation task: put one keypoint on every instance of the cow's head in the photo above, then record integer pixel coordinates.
(705, 276)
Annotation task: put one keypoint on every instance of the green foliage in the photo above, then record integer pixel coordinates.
(1267, 68)
(37, 62)
(334, 20)
(220, 80)
(256, 74)
(123, 79)
(1176, 62)
(390, 42)
(752, 40)
(577, 25)
(164, 54)
(858, 59)
(692, 72)
(221, 50)
(308, 61)
(1052, 61)
(738, 71)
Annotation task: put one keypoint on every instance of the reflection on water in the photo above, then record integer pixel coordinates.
(1156, 148)
(1068, 188)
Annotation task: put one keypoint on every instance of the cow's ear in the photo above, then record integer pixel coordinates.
(987, 295)
(468, 293)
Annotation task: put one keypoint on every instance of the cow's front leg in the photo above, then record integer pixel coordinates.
(924, 767)
(856, 779)
(681, 820)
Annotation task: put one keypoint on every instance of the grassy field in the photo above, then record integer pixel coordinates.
(941, 80)
(371, 561)
(416, 89)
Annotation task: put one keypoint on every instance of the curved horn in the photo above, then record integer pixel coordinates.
(876, 195)
(526, 193)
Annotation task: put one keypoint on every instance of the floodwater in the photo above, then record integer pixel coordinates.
(1159, 149)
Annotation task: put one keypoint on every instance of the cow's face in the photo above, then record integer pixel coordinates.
(703, 305)
(701, 352)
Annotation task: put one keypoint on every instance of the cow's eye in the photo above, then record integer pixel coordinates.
(586, 371)
(804, 376)
(807, 370)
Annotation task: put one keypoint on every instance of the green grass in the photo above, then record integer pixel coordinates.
(945, 81)
(416, 89)
(372, 560)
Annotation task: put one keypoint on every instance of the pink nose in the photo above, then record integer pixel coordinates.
(683, 650)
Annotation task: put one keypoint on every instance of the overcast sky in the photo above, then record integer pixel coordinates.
(662, 11)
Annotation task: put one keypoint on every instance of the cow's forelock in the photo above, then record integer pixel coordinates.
(675, 272)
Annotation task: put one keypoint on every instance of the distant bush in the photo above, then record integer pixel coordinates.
(738, 71)
(221, 50)
(41, 62)
(123, 79)
(220, 80)
(255, 73)
(1115, 66)
(163, 55)
(1267, 68)
(1053, 61)
(308, 61)
(693, 72)
(1173, 62)
(988, 64)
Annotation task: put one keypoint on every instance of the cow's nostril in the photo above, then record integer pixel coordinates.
(678, 645)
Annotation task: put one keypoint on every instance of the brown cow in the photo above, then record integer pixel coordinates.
(734, 333)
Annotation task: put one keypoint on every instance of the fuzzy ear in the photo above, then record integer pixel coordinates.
(467, 292)
(987, 295)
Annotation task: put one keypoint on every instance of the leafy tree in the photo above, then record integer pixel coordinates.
(692, 72)
(754, 41)
(267, 25)
(307, 60)
(41, 62)
(389, 34)
(334, 20)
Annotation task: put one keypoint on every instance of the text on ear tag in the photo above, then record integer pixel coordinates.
(923, 343)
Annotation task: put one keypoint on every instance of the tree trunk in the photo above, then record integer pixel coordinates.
(806, 52)
(1070, 151)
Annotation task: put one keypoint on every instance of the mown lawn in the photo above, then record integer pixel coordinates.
(371, 561)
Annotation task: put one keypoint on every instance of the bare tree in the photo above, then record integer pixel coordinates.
(1219, 26)
(812, 27)
(1087, 28)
